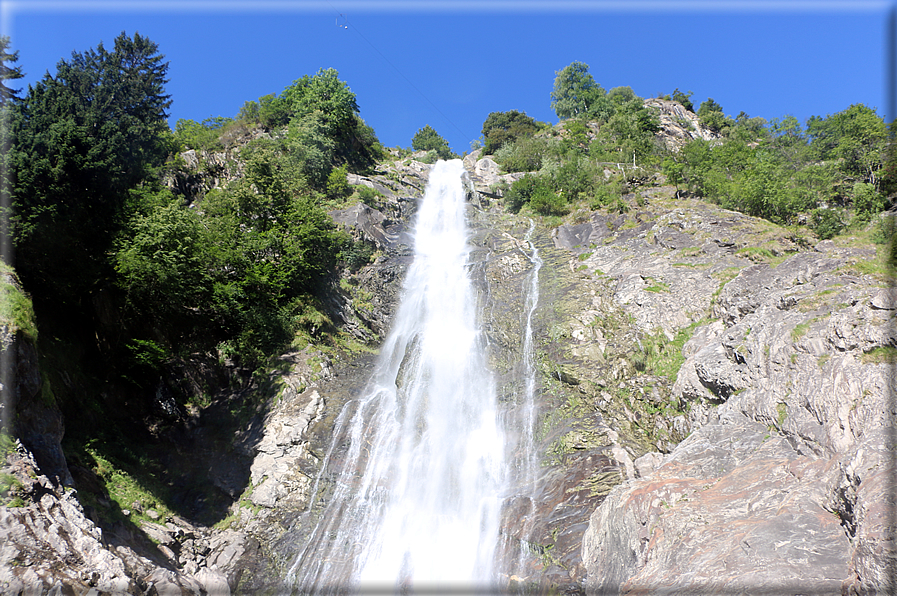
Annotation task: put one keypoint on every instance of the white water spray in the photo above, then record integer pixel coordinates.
(529, 465)
(419, 458)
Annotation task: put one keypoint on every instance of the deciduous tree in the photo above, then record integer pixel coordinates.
(575, 94)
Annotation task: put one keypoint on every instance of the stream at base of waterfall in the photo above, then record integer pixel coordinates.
(422, 461)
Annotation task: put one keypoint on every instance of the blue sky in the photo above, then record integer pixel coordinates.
(450, 63)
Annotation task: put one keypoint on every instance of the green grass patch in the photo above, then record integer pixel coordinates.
(662, 356)
(799, 331)
(584, 256)
(880, 355)
(755, 253)
(126, 488)
(658, 287)
(724, 276)
(16, 309)
(781, 413)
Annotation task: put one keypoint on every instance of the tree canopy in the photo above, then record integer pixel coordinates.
(504, 127)
(427, 139)
(83, 138)
(575, 92)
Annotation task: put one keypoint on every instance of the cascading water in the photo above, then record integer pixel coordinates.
(418, 462)
(529, 465)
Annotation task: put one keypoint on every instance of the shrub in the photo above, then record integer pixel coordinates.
(544, 201)
(684, 99)
(337, 184)
(501, 128)
(191, 134)
(368, 195)
(523, 155)
(826, 223)
(867, 201)
(885, 228)
(575, 179)
(606, 194)
(427, 139)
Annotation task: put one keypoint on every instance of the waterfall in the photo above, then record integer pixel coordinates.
(529, 466)
(417, 466)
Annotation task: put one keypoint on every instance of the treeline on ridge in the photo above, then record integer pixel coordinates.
(836, 172)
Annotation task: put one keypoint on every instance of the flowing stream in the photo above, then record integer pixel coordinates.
(420, 463)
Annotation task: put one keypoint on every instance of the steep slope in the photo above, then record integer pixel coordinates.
(714, 397)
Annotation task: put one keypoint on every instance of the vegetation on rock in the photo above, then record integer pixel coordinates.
(165, 265)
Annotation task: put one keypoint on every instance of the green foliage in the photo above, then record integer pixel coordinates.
(357, 254)
(529, 188)
(8, 73)
(781, 413)
(621, 95)
(577, 94)
(885, 229)
(856, 137)
(322, 107)
(273, 111)
(629, 131)
(502, 128)
(880, 355)
(674, 171)
(367, 195)
(311, 148)
(16, 310)
(337, 184)
(430, 157)
(204, 136)
(664, 357)
(826, 223)
(523, 155)
(427, 139)
(684, 99)
(574, 179)
(867, 201)
(710, 115)
(250, 113)
(84, 137)
(545, 201)
(164, 262)
(606, 194)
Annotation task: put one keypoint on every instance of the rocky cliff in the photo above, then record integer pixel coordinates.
(715, 413)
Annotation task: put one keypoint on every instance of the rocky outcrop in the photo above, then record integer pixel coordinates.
(784, 481)
(678, 126)
(486, 175)
(713, 396)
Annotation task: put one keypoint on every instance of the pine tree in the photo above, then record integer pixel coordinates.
(8, 72)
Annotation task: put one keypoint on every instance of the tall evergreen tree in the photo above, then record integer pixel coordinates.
(84, 140)
(8, 72)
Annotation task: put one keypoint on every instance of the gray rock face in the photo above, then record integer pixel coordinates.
(49, 544)
(486, 176)
(762, 460)
(678, 125)
(782, 487)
